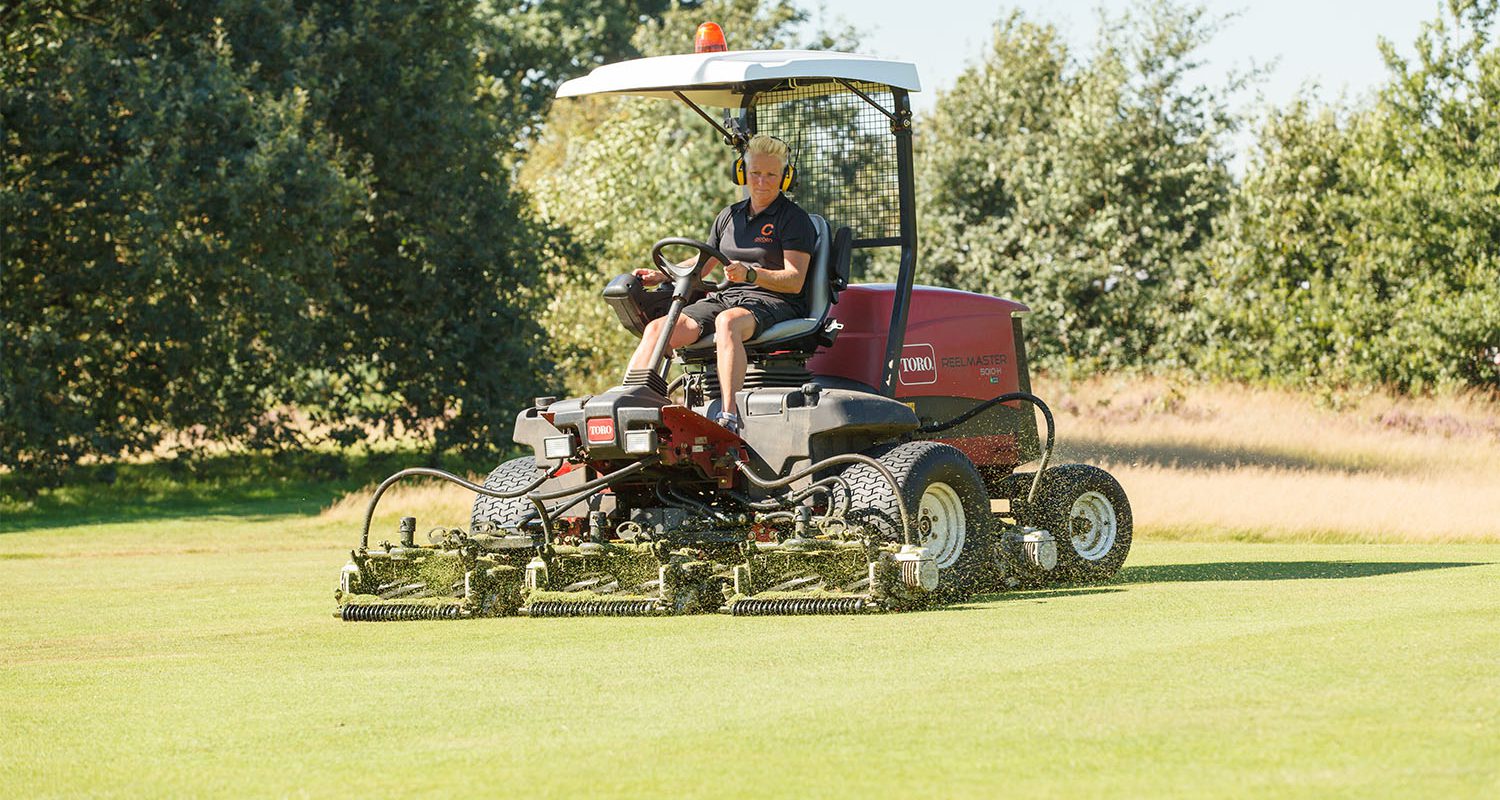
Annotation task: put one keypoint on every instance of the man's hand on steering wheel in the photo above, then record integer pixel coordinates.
(708, 255)
(651, 277)
(738, 271)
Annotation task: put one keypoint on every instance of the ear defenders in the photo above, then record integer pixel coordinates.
(788, 174)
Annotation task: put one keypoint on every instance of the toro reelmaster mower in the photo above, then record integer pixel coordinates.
(877, 466)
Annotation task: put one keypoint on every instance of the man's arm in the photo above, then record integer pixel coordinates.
(787, 280)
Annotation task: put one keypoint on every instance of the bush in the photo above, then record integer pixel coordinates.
(1364, 246)
(1085, 188)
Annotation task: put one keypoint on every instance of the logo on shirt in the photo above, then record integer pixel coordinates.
(766, 231)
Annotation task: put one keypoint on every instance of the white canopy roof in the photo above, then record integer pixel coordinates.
(718, 79)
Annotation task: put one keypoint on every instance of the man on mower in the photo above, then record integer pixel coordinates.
(769, 241)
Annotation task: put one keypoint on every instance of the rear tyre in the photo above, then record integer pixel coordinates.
(511, 476)
(949, 510)
(1088, 515)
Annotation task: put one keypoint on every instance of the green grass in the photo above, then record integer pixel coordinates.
(193, 653)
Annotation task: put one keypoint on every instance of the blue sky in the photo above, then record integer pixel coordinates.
(1329, 43)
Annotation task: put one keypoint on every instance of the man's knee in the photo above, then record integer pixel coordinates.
(735, 322)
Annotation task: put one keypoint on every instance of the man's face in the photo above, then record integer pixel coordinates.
(763, 175)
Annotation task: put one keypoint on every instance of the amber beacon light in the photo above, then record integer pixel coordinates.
(709, 39)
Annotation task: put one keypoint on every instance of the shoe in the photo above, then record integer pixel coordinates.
(730, 422)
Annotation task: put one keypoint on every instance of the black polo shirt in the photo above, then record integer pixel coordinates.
(764, 239)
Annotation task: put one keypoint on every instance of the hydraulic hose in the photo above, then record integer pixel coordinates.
(991, 403)
(824, 486)
(599, 482)
(576, 493)
(565, 505)
(669, 497)
(847, 458)
(603, 480)
(364, 536)
(829, 482)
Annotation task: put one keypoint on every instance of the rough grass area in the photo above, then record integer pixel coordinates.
(1229, 463)
(195, 655)
(1213, 462)
(1199, 463)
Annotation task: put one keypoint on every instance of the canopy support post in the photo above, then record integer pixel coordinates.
(729, 138)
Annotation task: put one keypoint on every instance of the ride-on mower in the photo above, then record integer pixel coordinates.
(877, 466)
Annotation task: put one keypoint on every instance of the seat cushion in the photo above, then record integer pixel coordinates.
(780, 332)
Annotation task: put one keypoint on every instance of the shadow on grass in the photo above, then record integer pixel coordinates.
(1277, 570)
(1229, 571)
(248, 487)
(1042, 594)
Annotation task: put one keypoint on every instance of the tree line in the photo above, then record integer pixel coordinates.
(276, 222)
(1361, 245)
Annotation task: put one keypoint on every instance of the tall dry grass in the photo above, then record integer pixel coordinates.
(1221, 461)
(1216, 461)
(432, 502)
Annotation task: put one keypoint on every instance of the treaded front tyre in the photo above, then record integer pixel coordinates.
(949, 508)
(513, 475)
(1087, 513)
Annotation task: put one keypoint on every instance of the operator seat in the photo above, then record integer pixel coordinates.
(828, 270)
(826, 278)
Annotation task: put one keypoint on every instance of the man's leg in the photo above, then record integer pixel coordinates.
(731, 329)
(685, 332)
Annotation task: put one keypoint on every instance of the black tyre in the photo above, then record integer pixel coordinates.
(1088, 515)
(950, 511)
(511, 476)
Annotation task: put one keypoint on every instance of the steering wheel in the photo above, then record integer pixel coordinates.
(676, 272)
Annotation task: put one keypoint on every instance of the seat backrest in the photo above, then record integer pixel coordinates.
(819, 298)
(842, 257)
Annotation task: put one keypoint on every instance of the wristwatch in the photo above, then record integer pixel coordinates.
(750, 274)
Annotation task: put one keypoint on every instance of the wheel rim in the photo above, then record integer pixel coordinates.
(1092, 526)
(941, 524)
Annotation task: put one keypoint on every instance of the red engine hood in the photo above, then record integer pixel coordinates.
(957, 344)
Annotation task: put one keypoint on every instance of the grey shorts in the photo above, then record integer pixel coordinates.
(767, 309)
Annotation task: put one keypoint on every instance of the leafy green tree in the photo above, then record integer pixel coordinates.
(170, 236)
(1364, 246)
(216, 214)
(528, 48)
(1085, 188)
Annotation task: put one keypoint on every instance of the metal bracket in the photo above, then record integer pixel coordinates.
(729, 138)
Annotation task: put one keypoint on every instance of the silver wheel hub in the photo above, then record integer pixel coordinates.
(1092, 526)
(941, 525)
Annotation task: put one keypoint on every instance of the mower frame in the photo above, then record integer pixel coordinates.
(865, 508)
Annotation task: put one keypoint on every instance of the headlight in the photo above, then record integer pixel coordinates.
(641, 442)
(558, 446)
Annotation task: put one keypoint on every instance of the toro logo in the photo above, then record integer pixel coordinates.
(601, 431)
(918, 365)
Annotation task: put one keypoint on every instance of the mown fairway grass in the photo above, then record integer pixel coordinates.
(193, 653)
(170, 634)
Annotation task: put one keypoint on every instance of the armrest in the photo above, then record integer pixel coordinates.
(634, 304)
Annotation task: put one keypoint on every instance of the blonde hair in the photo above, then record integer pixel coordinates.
(769, 146)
